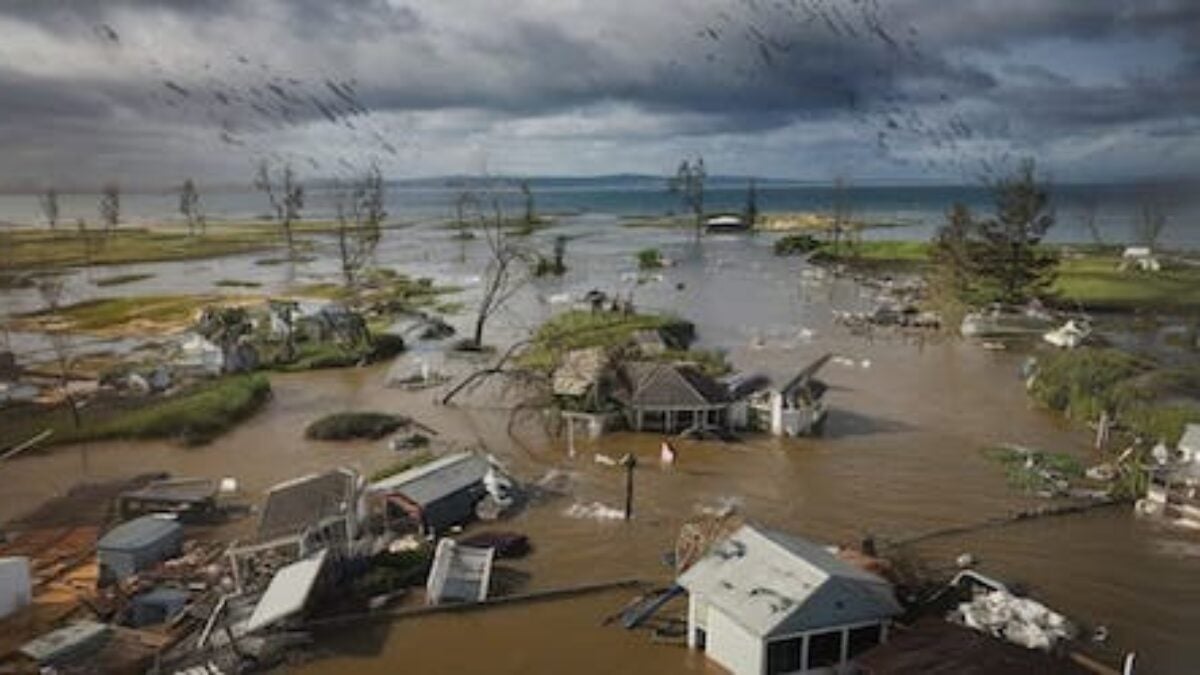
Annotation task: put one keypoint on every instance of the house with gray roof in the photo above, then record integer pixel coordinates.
(440, 494)
(765, 603)
(671, 397)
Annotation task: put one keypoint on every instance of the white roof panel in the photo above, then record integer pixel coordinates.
(288, 592)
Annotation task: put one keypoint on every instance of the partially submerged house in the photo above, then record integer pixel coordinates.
(672, 398)
(137, 545)
(1173, 490)
(440, 494)
(321, 509)
(189, 499)
(795, 409)
(1139, 258)
(764, 603)
(459, 573)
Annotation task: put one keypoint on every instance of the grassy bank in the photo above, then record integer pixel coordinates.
(194, 416)
(137, 316)
(1146, 400)
(1095, 281)
(609, 330)
(44, 249)
(1088, 277)
(876, 254)
(382, 288)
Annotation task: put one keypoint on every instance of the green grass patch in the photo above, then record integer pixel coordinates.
(1148, 401)
(69, 248)
(1096, 282)
(410, 462)
(325, 355)
(116, 315)
(285, 260)
(649, 259)
(583, 329)
(1035, 470)
(354, 425)
(121, 279)
(193, 416)
(880, 254)
(796, 244)
(385, 289)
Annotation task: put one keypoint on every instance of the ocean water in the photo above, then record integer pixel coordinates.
(916, 210)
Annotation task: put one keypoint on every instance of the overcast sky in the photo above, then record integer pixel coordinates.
(149, 92)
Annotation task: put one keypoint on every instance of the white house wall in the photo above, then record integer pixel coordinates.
(732, 646)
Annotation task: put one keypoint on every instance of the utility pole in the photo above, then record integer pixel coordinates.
(630, 463)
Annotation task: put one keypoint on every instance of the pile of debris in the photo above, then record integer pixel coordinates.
(995, 610)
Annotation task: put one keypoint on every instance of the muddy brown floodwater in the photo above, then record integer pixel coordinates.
(901, 456)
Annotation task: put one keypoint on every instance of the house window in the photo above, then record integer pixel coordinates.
(862, 640)
(784, 656)
(701, 639)
(825, 649)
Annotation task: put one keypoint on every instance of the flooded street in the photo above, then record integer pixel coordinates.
(900, 456)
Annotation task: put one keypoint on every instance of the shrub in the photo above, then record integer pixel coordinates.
(349, 426)
(195, 416)
(649, 259)
(796, 244)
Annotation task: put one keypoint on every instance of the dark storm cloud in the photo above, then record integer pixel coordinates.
(264, 76)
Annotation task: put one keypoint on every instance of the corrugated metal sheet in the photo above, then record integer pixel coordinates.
(139, 533)
(436, 480)
(774, 584)
(67, 643)
(287, 593)
(298, 504)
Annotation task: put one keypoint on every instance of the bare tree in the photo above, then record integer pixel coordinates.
(507, 270)
(49, 203)
(189, 206)
(360, 215)
(751, 212)
(1088, 213)
(286, 196)
(527, 194)
(688, 184)
(840, 226)
(90, 242)
(110, 206)
(1152, 219)
(50, 287)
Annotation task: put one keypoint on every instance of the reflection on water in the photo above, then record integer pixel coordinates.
(901, 457)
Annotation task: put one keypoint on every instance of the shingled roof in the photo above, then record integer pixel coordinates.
(667, 385)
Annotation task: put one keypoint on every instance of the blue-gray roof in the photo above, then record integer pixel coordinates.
(139, 533)
(773, 584)
(435, 480)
